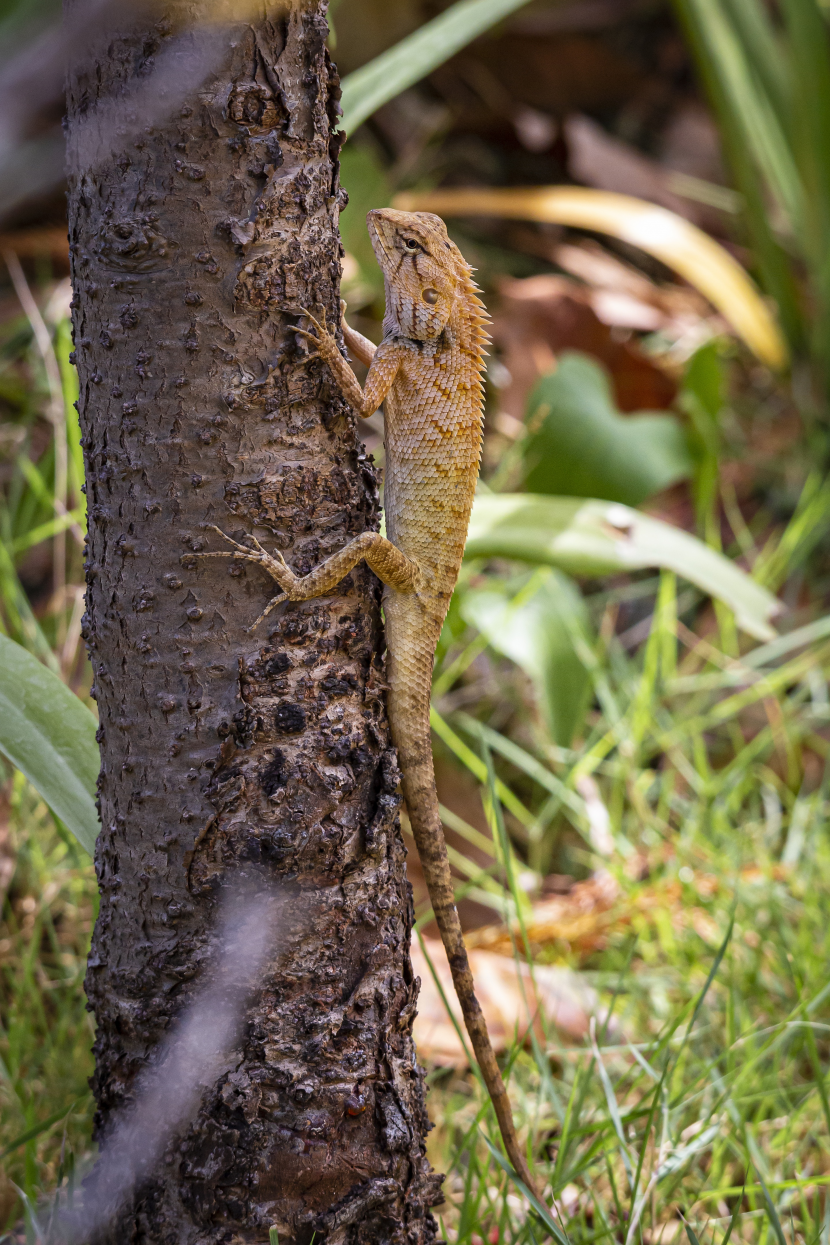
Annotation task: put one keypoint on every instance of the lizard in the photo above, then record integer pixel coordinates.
(428, 370)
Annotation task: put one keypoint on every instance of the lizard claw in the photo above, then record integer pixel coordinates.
(277, 600)
(254, 552)
(243, 550)
(303, 311)
(312, 337)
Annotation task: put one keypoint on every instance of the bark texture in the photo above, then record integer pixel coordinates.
(225, 752)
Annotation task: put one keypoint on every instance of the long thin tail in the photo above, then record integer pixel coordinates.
(410, 730)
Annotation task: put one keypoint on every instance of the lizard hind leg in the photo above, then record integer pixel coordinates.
(390, 565)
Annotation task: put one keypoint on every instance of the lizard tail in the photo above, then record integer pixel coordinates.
(409, 719)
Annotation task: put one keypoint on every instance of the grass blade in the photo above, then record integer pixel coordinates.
(365, 90)
(36, 1131)
(542, 1211)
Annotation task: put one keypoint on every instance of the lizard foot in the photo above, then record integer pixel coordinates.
(321, 337)
(306, 314)
(273, 563)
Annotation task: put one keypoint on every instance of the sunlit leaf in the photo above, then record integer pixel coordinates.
(534, 628)
(582, 446)
(413, 58)
(602, 538)
(48, 733)
(677, 243)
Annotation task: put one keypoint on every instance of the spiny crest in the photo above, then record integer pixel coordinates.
(480, 312)
(475, 314)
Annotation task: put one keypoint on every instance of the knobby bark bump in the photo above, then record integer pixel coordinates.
(227, 754)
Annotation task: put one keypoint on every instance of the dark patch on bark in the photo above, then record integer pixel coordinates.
(225, 751)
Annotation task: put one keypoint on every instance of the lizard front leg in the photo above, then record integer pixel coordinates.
(390, 565)
(383, 367)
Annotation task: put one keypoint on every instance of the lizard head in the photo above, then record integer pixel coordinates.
(424, 272)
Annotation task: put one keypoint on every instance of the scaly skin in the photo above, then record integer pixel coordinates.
(428, 371)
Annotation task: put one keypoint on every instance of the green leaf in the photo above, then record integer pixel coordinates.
(705, 379)
(49, 734)
(582, 446)
(413, 58)
(603, 538)
(753, 110)
(535, 629)
(754, 28)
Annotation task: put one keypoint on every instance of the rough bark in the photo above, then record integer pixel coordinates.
(222, 751)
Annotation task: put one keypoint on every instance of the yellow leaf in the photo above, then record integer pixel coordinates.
(677, 243)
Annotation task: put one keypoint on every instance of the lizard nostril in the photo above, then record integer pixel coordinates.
(430, 296)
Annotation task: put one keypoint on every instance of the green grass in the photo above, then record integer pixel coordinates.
(716, 967)
(45, 1030)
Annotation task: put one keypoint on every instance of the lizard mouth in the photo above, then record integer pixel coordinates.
(378, 233)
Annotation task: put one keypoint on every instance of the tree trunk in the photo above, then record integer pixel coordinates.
(192, 226)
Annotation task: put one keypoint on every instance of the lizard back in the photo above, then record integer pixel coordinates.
(433, 428)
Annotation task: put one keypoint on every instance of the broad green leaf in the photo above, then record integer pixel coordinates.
(413, 58)
(49, 734)
(602, 538)
(535, 629)
(582, 446)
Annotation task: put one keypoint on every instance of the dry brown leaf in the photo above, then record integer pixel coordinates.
(539, 317)
(599, 159)
(581, 918)
(510, 996)
(513, 998)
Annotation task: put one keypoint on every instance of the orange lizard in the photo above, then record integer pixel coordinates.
(428, 371)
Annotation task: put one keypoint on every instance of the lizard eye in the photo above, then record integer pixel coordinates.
(430, 296)
(409, 244)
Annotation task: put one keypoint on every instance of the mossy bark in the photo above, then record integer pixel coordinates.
(223, 751)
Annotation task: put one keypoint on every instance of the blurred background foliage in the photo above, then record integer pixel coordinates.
(631, 735)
